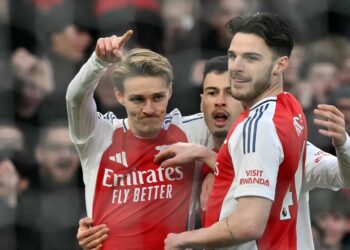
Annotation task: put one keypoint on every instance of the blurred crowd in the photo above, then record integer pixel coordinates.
(43, 43)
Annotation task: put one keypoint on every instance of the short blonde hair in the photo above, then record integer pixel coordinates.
(142, 62)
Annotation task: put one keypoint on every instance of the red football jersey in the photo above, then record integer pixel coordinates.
(264, 156)
(140, 201)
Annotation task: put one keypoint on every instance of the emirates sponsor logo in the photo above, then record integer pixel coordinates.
(113, 179)
(141, 186)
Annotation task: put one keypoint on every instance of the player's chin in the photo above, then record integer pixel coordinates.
(151, 130)
(221, 132)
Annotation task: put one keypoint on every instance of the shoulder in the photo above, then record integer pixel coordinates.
(112, 120)
(195, 118)
(194, 123)
(186, 121)
(261, 116)
(288, 103)
(174, 118)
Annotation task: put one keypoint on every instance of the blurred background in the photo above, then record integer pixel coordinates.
(43, 43)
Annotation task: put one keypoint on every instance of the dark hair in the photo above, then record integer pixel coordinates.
(216, 64)
(276, 33)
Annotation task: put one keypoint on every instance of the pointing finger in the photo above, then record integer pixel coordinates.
(124, 38)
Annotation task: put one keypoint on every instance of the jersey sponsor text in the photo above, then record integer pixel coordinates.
(254, 177)
(119, 181)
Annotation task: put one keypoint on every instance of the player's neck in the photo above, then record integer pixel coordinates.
(218, 141)
(272, 91)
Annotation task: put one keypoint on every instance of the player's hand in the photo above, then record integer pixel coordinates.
(179, 153)
(333, 121)
(171, 242)
(91, 237)
(207, 186)
(110, 49)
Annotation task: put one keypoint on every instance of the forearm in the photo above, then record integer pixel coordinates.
(216, 236)
(246, 223)
(85, 81)
(81, 107)
(343, 155)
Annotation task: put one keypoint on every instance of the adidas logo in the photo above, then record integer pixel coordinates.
(120, 158)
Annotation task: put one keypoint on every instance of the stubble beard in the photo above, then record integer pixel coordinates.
(259, 87)
(220, 134)
(151, 129)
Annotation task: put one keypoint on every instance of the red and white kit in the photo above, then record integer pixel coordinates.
(140, 201)
(264, 156)
(322, 170)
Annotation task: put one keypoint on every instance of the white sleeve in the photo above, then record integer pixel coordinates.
(197, 130)
(323, 170)
(257, 170)
(343, 156)
(81, 107)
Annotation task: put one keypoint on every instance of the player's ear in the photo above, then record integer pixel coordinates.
(119, 95)
(280, 66)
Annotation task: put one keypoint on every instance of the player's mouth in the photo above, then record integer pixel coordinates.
(238, 81)
(221, 117)
(148, 119)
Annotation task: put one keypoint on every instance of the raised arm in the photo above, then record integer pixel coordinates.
(324, 170)
(81, 106)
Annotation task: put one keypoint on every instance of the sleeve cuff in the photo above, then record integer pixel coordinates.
(345, 148)
(99, 62)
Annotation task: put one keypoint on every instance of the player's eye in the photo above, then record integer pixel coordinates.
(158, 98)
(137, 100)
(211, 93)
